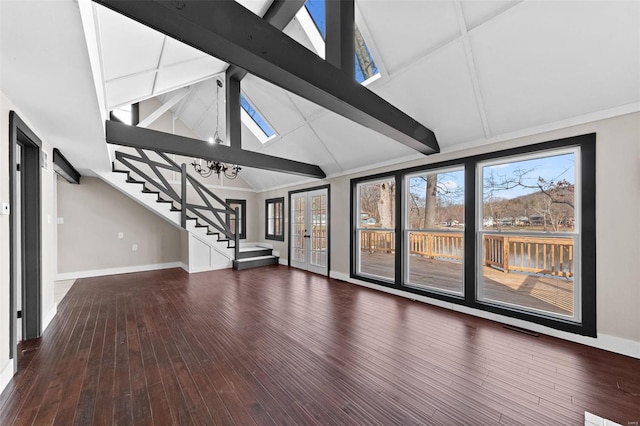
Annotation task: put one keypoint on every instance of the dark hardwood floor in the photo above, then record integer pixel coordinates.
(275, 345)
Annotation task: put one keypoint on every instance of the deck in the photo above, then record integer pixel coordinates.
(546, 293)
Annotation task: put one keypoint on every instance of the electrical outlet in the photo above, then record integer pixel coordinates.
(60, 220)
(121, 235)
(134, 247)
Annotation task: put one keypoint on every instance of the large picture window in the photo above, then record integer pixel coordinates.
(510, 232)
(527, 232)
(435, 230)
(376, 228)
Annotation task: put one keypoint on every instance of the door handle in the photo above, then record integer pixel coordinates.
(307, 236)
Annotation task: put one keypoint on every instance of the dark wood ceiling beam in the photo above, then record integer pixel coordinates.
(138, 137)
(64, 168)
(279, 14)
(339, 46)
(228, 31)
(233, 121)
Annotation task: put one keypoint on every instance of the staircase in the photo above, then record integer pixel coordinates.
(202, 215)
(254, 256)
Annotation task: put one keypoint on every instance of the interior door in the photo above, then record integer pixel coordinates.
(310, 231)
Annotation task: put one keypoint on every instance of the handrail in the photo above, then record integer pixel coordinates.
(202, 207)
(535, 254)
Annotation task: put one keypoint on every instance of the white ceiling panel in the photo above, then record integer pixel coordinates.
(273, 104)
(555, 60)
(438, 93)
(355, 146)
(127, 46)
(477, 12)
(406, 30)
(192, 112)
(263, 179)
(303, 145)
(125, 90)
(178, 76)
(307, 108)
(176, 52)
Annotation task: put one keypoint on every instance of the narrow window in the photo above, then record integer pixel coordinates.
(239, 222)
(435, 230)
(528, 223)
(274, 217)
(376, 229)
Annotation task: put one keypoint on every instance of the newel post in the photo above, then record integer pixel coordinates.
(183, 195)
(505, 254)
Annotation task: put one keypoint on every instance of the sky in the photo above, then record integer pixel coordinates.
(554, 168)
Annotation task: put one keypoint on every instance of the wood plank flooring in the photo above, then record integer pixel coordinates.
(275, 345)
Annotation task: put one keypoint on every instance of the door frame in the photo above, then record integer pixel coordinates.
(314, 188)
(30, 230)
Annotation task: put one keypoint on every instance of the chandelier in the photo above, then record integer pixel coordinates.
(230, 171)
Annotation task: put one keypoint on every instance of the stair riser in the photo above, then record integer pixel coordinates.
(255, 264)
(255, 253)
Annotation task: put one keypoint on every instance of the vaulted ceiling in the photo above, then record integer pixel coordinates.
(472, 71)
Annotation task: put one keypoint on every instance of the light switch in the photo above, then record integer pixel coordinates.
(134, 247)
(6, 209)
(120, 235)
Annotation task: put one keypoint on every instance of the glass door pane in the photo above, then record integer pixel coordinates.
(319, 230)
(298, 228)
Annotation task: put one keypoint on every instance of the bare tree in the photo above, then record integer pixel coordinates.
(387, 204)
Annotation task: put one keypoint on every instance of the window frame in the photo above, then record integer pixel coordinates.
(585, 231)
(275, 202)
(407, 231)
(356, 227)
(243, 216)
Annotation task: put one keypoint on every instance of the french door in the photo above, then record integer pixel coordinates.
(310, 231)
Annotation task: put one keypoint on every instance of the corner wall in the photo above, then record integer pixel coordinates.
(617, 221)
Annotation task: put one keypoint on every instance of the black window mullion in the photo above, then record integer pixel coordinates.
(399, 229)
(470, 214)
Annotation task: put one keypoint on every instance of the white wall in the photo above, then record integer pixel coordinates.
(48, 237)
(93, 215)
(618, 225)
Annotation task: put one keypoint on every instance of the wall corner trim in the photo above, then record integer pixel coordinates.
(6, 374)
(605, 342)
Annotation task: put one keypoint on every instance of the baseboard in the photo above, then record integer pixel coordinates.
(49, 316)
(209, 268)
(184, 266)
(284, 262)
(115, 271)
(603, 341)
(6, 374)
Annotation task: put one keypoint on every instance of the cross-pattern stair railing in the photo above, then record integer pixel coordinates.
(201, 202)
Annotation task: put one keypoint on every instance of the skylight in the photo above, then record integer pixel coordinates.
(254, 121)
(365, 66)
